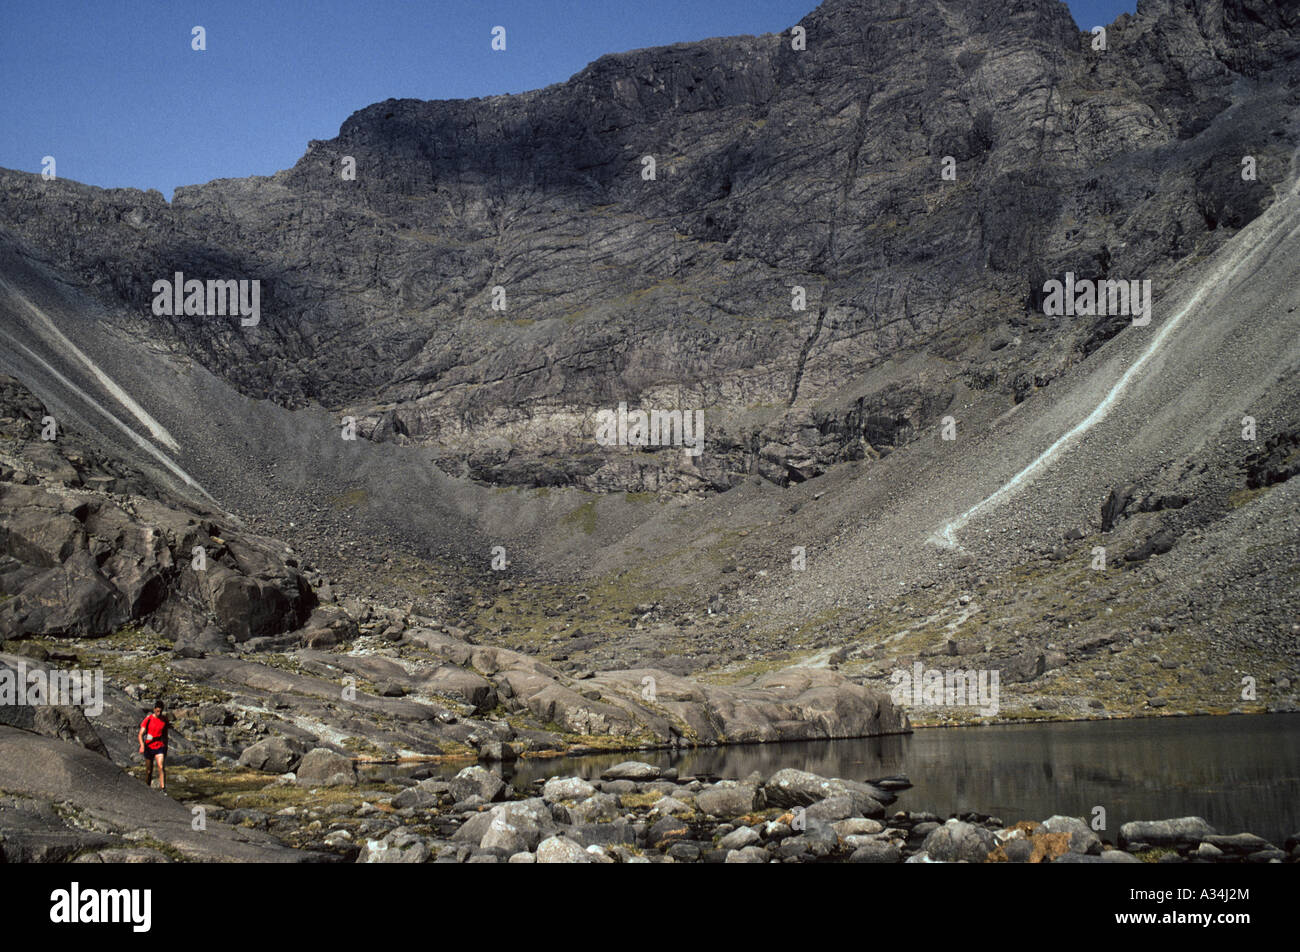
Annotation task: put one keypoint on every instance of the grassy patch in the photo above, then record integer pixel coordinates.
(1242, 497)
(639, 801)
(752, 669)
(364, 748)
(351, 499)
(1153, 855)
(583, 517)
(252, 790)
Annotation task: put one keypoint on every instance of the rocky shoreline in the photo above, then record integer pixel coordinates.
(638, 813)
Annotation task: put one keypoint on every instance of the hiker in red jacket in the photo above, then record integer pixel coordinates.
(153, 745)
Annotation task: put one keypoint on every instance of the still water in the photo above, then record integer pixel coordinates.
(1241, 773)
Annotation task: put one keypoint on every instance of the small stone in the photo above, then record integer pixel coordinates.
(739, 838)
(876, 851)
(557, 849)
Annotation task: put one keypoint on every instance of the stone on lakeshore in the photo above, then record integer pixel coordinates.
(631, 770)
(276, 755)
(1239, 843)
(1270, 855)
(727, 799)
(557, 849)
(668, 830)
(1068, 857)
(495, 750)
(834, 809)
(394, 849)
(597, 807)
(1082, 837)
(817, 840)
(750, 854)
(473, 829)
(1182, 831)
(684, 852)
(424, 794)
(855, 840)
(624, 855)
(324, 768)
(876, 851)
(799, 788)
(739, 838)
(566, 788)
(956, 841)
(503, 835)
(517, 826)
(610, 833)
(618, 787)
(668, 806)
(1018, 850)
(922, 830)
(477, 781)
(598, 854)
(856, 826)
(1118, 856)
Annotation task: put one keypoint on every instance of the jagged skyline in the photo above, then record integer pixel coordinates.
(119, 101)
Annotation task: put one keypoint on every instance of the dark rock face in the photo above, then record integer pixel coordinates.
(1113, 509)
(775, 168)
(1157, 544)
(76, 564)
(1276, 461)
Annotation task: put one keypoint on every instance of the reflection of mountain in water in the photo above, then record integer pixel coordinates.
(1240, 773)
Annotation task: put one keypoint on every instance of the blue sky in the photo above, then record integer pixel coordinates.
(113, 91)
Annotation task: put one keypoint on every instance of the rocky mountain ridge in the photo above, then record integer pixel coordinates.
(776, 168)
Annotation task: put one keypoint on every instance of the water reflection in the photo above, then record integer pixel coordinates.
(1240, 773)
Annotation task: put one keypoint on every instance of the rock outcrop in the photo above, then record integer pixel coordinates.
(81, 555)
(39, 770)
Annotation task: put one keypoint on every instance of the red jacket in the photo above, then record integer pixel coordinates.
(155, 727)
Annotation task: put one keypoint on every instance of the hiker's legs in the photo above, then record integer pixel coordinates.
(162, 776)
(148, 770)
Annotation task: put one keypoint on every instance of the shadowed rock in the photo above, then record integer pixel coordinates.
(59, 772)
